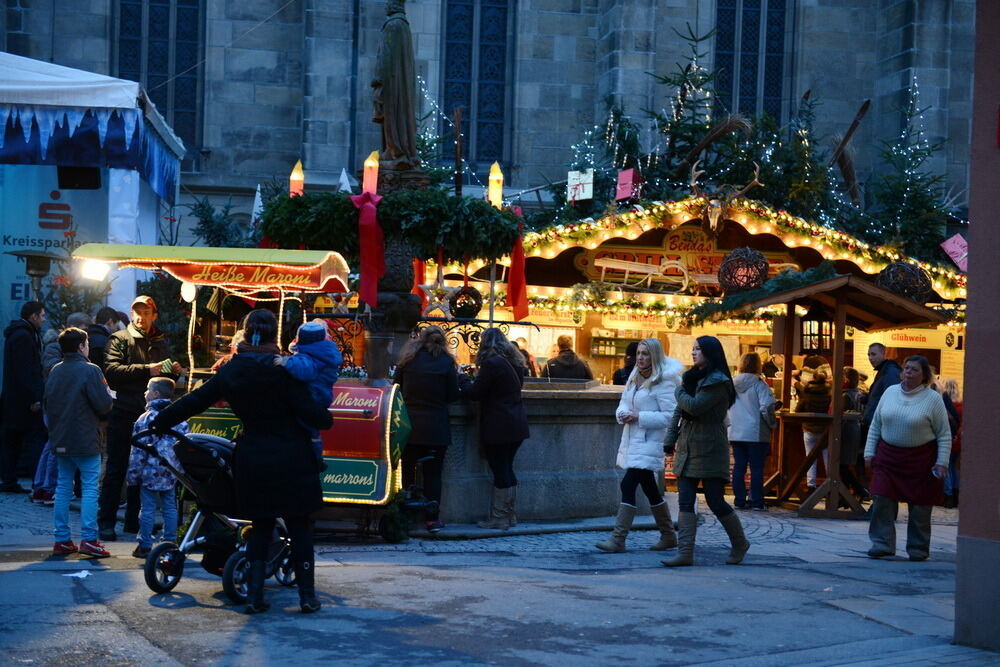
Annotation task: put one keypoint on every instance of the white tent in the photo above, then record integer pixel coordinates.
(53, 117)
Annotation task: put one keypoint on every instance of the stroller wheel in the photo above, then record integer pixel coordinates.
(164, 567)
(234, 577)
(284, 573)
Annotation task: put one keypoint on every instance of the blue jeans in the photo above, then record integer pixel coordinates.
(47, 472)
(951, 479)
(150, 499)
(90, 474)
(753, 453)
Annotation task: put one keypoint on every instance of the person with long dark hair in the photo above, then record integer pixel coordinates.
(698, 433)
(427, 376)
(275, 470)
(500, 372)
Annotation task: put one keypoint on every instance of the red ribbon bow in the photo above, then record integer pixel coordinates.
(372, 245)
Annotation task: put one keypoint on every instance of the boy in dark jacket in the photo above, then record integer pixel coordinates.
(317, 363)
(76, 397)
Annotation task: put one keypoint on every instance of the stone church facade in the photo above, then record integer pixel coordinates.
(250, 96)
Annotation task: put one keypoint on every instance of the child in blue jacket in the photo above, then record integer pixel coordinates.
(316, 361)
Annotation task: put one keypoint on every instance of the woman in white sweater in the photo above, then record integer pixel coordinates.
(645, 409)
(908, 445)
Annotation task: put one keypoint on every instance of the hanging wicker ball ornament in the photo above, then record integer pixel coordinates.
(742, 269)
(466, 303)
(906, 280)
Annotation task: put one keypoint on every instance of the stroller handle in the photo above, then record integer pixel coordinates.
(149, 448)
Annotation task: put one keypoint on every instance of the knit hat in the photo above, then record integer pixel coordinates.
(312, 332)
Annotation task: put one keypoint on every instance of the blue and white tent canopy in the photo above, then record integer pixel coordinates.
(54, 115)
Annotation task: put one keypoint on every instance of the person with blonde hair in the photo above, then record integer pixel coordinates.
(500, 372)
(645, 408)
(428, 379)
(751, 420)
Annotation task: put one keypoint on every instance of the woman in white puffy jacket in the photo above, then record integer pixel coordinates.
(645, 409)
(751, 420)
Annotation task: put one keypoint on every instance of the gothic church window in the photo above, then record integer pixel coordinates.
(750, 46)
(476, 62)
(159, 45)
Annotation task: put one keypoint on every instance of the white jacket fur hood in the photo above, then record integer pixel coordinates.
(642, 441)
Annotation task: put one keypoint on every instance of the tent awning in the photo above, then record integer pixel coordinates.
(869, 307)
(234, 268)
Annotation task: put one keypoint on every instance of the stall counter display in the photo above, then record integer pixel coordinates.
(362, 449)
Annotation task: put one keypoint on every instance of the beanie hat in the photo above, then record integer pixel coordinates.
(312, 332)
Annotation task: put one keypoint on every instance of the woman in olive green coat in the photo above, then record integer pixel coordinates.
(698, 435)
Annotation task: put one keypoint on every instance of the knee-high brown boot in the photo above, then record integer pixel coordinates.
(668, 538)
(498, 519)
(737, 539)
(623, 523)
(687, 527)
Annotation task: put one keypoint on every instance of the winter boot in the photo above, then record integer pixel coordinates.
(687, 527)
(498, 518)
(509, 506)
(305, 580)
(739, 542)
(668, 538)
(623, 523)
(255, 588)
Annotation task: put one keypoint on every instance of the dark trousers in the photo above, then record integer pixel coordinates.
(882, 529)
(752, 453)
(15, 440)
(714, 490)
(119, 447)
(635, 477)
(501, 461)
(431, 471)
(299, 532)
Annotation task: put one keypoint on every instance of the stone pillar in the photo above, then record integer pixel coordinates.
(977, 586)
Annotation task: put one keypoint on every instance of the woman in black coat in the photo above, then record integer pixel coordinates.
(274, 466)
(427, 376)
(503, 421)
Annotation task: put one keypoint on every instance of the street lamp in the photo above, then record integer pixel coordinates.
(37, 264)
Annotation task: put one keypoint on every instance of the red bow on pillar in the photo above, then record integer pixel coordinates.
(517, 289)
(372, 246)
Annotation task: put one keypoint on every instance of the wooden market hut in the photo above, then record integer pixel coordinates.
(845, 300)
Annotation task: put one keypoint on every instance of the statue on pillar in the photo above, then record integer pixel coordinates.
(394, 92)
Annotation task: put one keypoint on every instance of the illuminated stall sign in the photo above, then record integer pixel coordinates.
(322, 277)
(690, 246)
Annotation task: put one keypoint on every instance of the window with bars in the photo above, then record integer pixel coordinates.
(476, 62)
(750, 55)
(159, 45)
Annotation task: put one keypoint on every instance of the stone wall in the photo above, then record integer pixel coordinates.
(566, 469)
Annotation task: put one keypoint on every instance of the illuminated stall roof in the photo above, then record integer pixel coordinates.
(236, 268)
(755, 218)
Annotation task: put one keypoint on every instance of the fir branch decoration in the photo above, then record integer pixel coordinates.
(786, 280)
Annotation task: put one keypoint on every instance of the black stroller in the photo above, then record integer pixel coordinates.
(207, 479)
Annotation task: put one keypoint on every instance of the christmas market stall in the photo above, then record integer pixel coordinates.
(363, 448)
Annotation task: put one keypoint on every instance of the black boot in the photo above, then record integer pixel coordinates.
(255, 588)
(305, 579)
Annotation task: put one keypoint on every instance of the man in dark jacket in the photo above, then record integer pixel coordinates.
(23, 388)
(622, 374)
(887, 374)
(132, 356)
(76, 397)
(105, 324)
(566, 364)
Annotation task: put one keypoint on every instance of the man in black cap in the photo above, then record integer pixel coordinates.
(132, 356)
(23, 388)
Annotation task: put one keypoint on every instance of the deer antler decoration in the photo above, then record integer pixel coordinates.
(716, 209)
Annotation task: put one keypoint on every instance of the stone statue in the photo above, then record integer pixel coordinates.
(395, 92)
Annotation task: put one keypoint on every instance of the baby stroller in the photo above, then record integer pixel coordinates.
(207, 478)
